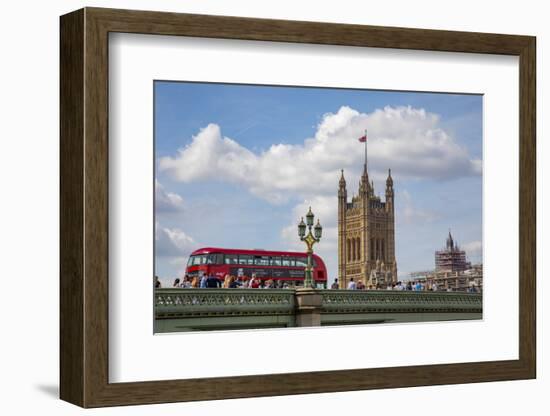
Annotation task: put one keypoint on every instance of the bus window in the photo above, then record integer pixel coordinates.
(231, 259)
(301, 261)
(275, 261)
(214, 258)
(197, 260)
(246, 259)
(286, 261)
(261, 260)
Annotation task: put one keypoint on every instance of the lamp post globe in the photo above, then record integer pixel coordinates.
(302, 228)
(309, 218)
(318, 230)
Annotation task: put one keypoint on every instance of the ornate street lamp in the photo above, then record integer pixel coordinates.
(310, 239)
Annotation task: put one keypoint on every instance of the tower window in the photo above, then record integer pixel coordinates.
(372, 248)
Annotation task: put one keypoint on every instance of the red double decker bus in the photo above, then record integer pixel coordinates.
(277, 265)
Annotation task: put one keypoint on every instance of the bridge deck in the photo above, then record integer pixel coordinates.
(224, 309)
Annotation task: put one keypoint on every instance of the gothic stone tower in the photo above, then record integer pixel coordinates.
(366, 233)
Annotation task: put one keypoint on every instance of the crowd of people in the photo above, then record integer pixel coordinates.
(229, 282)
(415, 286)
(253, 282)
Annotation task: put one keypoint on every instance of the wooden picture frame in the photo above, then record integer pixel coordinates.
(84, 207)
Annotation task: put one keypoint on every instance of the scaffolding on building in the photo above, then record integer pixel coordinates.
(451, 259)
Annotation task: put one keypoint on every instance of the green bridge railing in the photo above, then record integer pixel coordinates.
(219, 309)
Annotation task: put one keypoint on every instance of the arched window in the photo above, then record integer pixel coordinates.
(372, 248)
(383, 250)
(348, 249)
(358, 248)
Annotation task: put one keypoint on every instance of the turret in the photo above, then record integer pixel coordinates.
(342, 191)
(389, 192)
(364, 182)
(450, 242)
(342, 207)
(389, 181)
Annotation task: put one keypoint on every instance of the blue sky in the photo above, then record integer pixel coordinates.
(237, 165)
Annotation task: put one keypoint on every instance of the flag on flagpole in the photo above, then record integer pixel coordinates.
(363, 139)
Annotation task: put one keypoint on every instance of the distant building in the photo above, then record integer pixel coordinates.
(366, 234)
(452, 271)
(453, 281)
(451, 259)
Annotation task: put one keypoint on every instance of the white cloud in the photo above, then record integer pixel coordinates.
(167, 201)
(415, 145)
(473, 249)
(325, 210)
(406, 139)
(408, 213)
(173, 242)
(172, 249)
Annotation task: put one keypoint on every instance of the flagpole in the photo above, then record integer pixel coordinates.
(366, 139)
